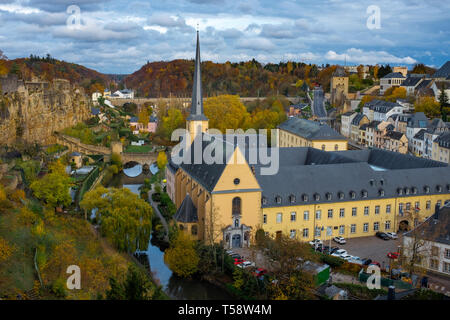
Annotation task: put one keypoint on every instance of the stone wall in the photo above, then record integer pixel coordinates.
(35, 110)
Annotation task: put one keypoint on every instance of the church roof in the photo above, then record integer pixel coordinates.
(197, 93)
(187, 212)
(311, 130)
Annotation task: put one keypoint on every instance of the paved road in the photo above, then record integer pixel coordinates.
(318, 104)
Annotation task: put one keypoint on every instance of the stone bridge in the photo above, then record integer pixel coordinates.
(141, 158)
(75, 145)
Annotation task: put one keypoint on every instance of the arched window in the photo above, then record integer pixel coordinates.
(236, 208)
(194, 230)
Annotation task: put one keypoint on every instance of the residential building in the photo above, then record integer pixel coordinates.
(371, 133)
(411, 83)
(434, 237)
(400, 121)
(395, 141)
(402, 70)
(95, 97)
(123, 94)
(296, 132)
(434, 129)
(417, 146)
(416, 122)
(346, 121)
(393, 79)
(137, 126)
(441, 147)
(381, 110)
(362, 134)
(356, 123)
(437, 86)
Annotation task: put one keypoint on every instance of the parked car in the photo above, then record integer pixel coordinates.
(260, 272)
(238, 261)
(375, 263)
(333, 249)
(235, 256)
(339, 253)
(315, 242)
(339, 240)
(392, 235)
(346, 256)
(382, 235)
(393, 255)
(229, 252)
(366, 261)
(246, 264)
(325, 249)
(356, 260)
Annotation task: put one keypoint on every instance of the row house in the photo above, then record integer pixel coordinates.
(441, 147)
(346, 123)
(357, 122)
(434, 129)
(395, 141)
(371, 130)
(381, 110)
(417, 146)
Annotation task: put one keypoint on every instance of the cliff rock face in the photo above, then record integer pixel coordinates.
(33, 111)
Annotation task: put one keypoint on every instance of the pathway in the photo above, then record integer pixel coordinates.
(158, 213)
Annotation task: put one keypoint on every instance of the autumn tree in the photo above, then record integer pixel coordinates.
(124, 218)
(143, 116)
(53, 188)
(182, 257)
(172, 121)
(161, 160)
(226, 112)
(6, 250)
(429, 106)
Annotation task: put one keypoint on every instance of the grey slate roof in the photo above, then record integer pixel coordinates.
(423, 85)
(443, 72)
(443, 140)
(420, 135)
(311, 130)
(357, 119)
(394, 135)
(436, 228)
(339, 72)
(418, 120)
(187, 212)
(381, 105)
(374, 124)
(393, 75)
(411, 82)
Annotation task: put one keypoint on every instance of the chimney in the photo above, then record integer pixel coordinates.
(391, 293)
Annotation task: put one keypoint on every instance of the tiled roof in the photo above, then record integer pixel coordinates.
(187, 212)
(394, 135)
(411, 82)
(443, 140)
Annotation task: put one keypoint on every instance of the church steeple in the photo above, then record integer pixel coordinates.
(197, 96)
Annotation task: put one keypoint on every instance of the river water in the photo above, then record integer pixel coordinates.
(173, 286)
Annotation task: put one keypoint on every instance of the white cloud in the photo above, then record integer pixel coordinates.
(367, 57)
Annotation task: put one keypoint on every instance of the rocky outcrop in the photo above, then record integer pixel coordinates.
(33, 111)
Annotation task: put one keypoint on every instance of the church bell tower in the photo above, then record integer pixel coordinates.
(197, 122)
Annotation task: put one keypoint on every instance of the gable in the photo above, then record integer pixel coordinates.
(237, 168)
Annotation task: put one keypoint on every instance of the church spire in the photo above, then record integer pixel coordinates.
(197, 97)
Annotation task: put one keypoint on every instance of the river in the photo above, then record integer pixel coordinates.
(173, 286)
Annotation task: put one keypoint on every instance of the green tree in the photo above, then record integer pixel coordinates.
(182, 257)
(172, 121)
(443, 102)
(53, 188)
(124, 218)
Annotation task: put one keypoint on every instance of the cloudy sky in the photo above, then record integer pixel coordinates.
(119, 36)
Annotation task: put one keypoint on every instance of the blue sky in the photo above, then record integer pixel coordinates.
(119, 36)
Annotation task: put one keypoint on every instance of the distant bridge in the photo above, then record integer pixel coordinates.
(141, 158)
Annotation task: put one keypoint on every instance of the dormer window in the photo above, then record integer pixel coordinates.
(316, 196)
(371, 182)
(291, 198)
(439, 188)
(341, 195)
(278, 199)
(414, 190)
(352, 194)
(400, 191)
(328, 195)
(264, 200)
(381, 192)
(304, 198)
(426, 189)
(364, 194)
(406, 190)
(448, 187)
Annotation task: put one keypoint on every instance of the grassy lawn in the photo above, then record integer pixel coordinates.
(138, 149)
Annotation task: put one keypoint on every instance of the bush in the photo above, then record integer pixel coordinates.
(17, 195)
(59, 288)
(333, 262)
